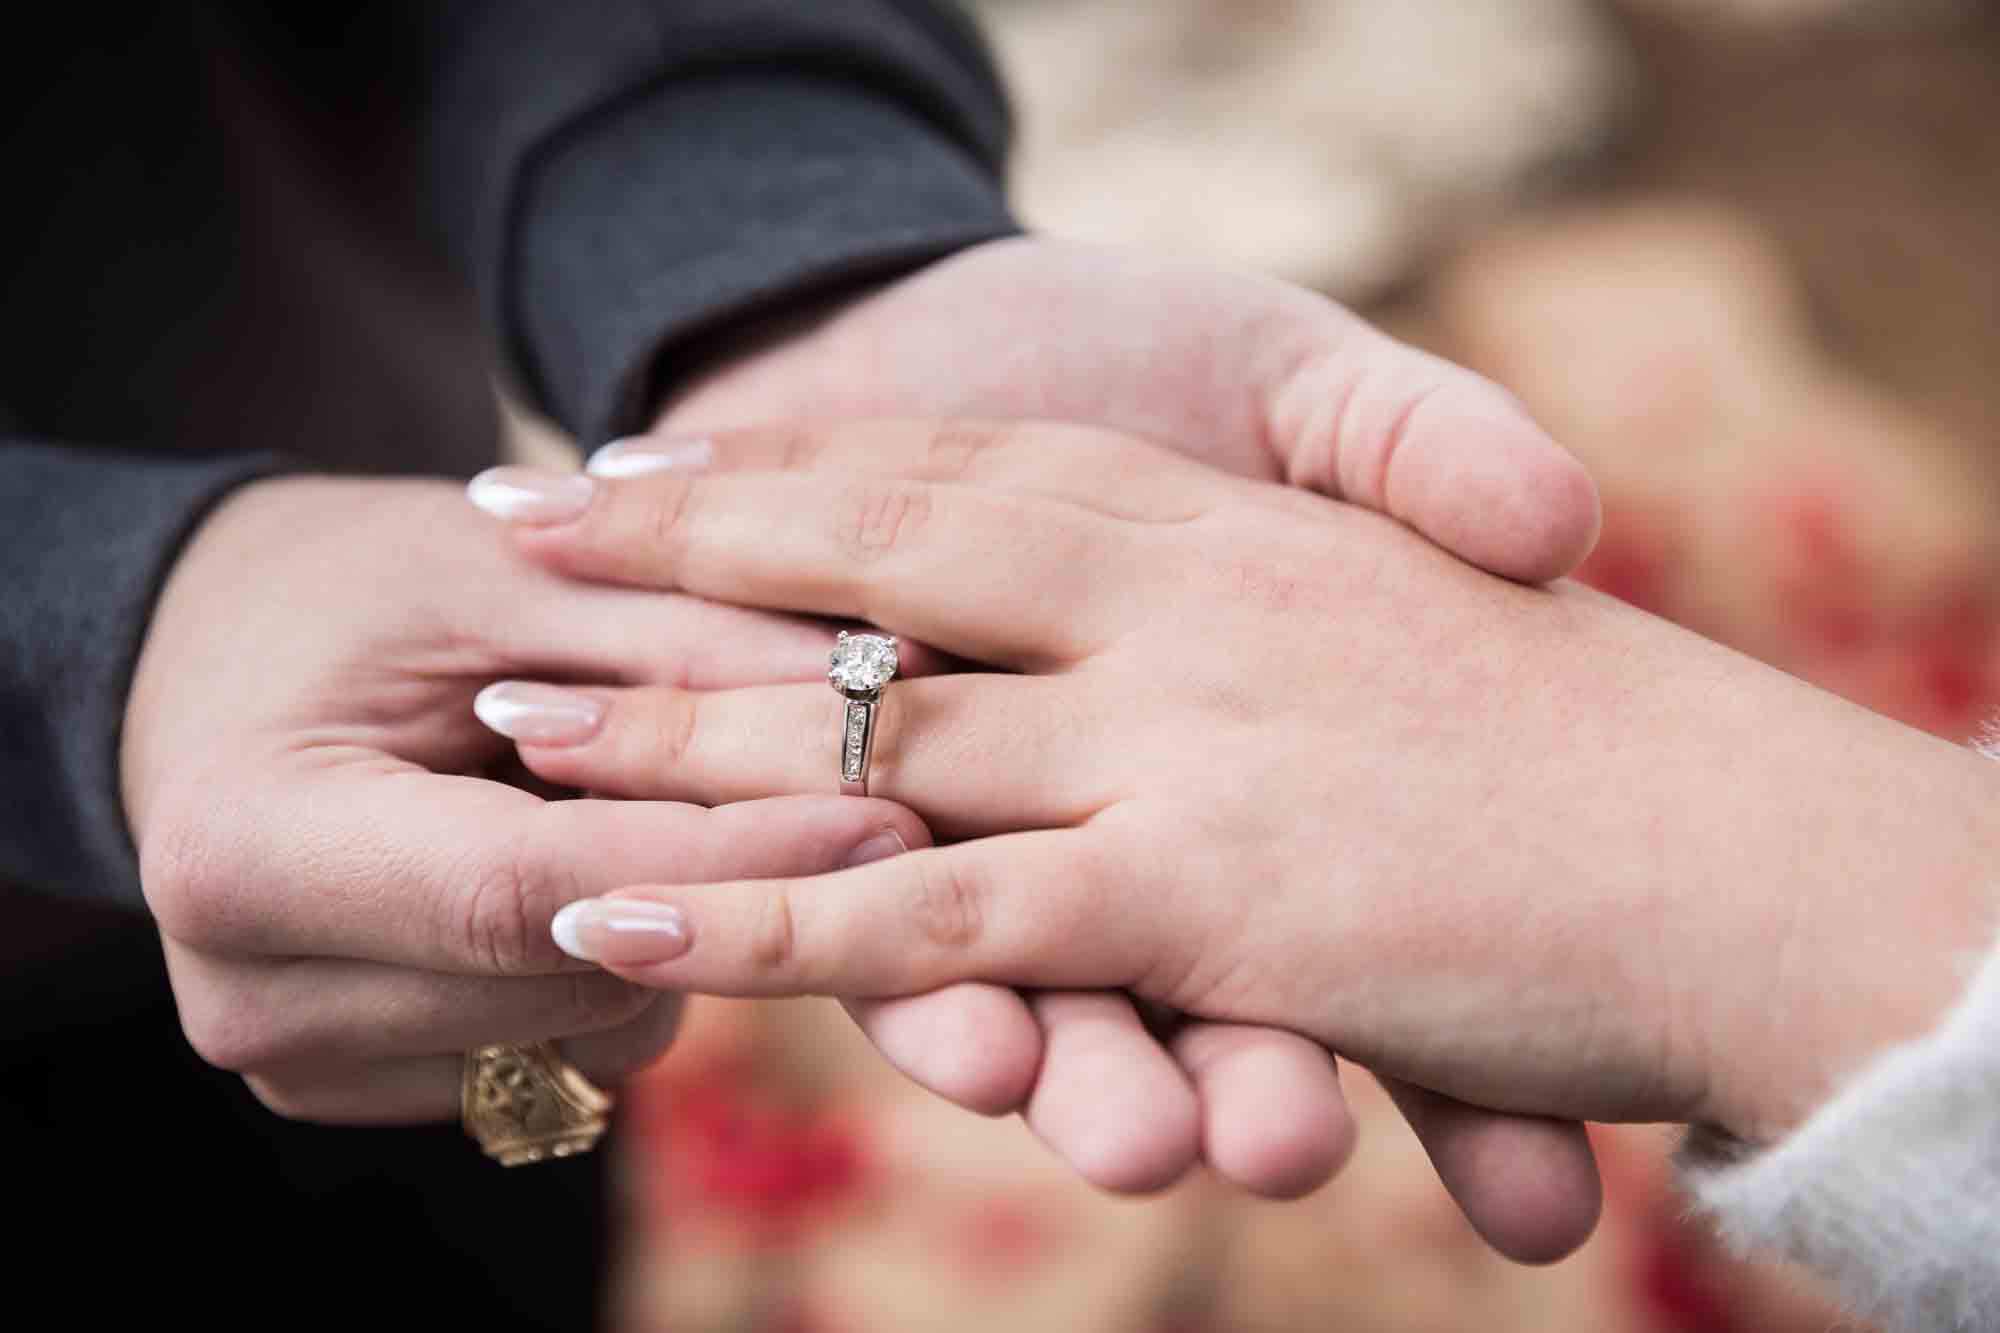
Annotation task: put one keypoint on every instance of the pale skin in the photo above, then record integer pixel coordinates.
(1264, 760)
(348, 899)
(1265, 380)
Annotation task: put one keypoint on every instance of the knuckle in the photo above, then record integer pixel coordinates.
(1095, 886)
(774, 944)
(949, 912)
(675, 722)
(185, 880)
(1381, 450)
(1274, 586)
(881, 516)
(505, 913)
(798, 447)
(1312, 412)
(954, 446)
(669, 503)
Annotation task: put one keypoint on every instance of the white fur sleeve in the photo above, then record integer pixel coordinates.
(1892, 1188)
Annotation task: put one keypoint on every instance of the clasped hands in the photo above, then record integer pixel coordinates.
(1277, 765)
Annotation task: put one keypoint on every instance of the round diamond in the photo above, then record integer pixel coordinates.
(862, 662)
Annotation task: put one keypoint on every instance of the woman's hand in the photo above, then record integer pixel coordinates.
(1262, 379)
(1272, 761)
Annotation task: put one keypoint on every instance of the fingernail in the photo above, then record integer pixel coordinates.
(626, 931)
(531, 494)
(640, 454)
(522, 710)
(883, 845)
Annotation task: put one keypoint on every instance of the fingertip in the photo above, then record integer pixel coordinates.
(1274, 1120)
(1528, 1184)
(1273, 1126)
(1142, 1157)
(889, 821)
(976, 1046)
(1563, 517)
(811, 835)
(1478, 476)
(1107, 1099)
(613, 1055)
(1538, 1195)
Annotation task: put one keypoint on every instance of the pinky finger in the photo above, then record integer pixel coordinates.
(424, 1090)
(1528, 1184)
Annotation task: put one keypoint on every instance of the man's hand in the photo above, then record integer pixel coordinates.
(1254, 376)
(347, 898)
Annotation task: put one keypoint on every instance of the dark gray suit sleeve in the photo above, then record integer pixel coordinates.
(85, 537)
(625, 181)
(628, 180)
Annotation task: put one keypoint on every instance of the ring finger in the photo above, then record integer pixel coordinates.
(972, 754)
(425, 1089)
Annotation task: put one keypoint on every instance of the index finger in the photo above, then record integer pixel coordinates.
(454, 874)
(1111, 472)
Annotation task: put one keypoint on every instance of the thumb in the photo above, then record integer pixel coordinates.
(1377, 423)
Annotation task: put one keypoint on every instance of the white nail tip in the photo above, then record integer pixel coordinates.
(536, 714)
(563, 929)
(641, 457)
(493, 707)
(506, 493)
(496, 495)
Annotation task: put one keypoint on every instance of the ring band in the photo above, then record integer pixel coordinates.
(525, 1103)
(860, 666)
(857, 744)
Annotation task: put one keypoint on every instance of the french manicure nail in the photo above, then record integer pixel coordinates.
(883, 845)
(639, 455)
(626, 931)
(534, 714)
(531, 494)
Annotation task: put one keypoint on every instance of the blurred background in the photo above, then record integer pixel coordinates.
(1743, 256)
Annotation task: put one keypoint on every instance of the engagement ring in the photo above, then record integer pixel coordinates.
(860, 666)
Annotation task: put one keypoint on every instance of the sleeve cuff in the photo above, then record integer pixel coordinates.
(87, 537)
(1891, 1189)
(708, 203)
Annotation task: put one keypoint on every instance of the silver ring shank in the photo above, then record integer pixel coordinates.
(857, 743)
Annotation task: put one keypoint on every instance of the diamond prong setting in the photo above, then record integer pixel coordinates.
(861, 664)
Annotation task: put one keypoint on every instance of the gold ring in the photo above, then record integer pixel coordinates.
(527, 1104)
